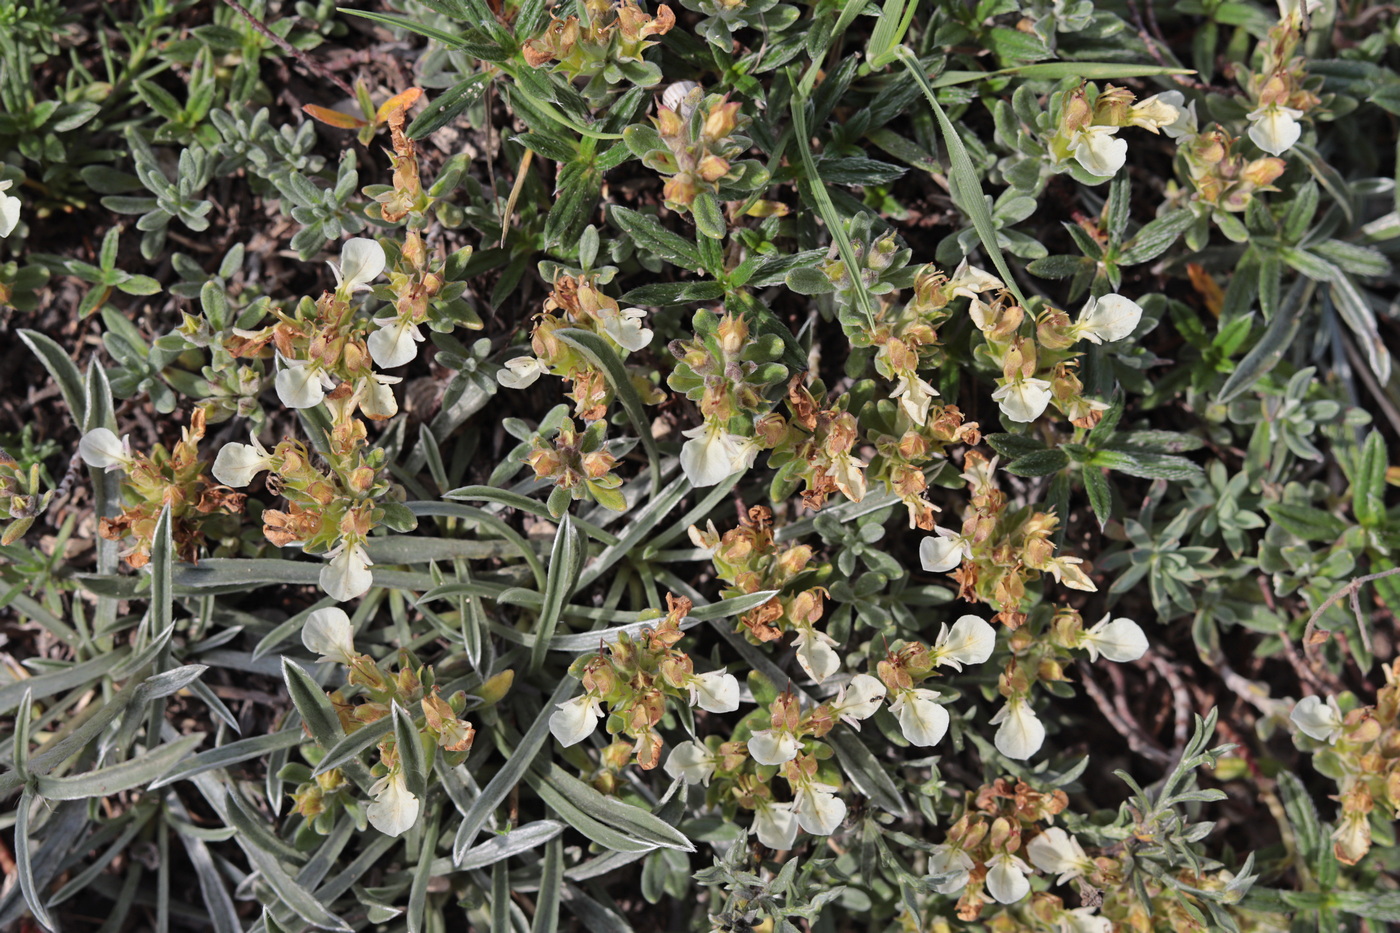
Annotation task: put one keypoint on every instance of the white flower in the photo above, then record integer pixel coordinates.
(237, 464)
(775, 824)
(970, 641)
(969, 281)
(301, 384)
(1156, 112)
(1099, 151)
(691, 762)
(347, 575)
(859, 699)
(1006, 878)
(819, 810)
(1120, 640)
(1274, 128)
(773, 746)
(1056, 852)
(915, 396)
(521, 372)
(1318, 720)
(675, 97)
(395, 342)
(375, 397)
(712, 454)
(948, 859)
(361, 262)
(626, 330)
(815, 654)
(1107, 319)
(1021, 733)
(1023, 399)
(1066, 570)
(1185, 124)
(328, 633)
(715, 692)
(9, 210)
(100, 448)
(1084, 920)
(922, 719)
(944, 552)
(574, 720)
(394, 810)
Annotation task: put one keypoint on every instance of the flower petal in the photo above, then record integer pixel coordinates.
(574, 720)
(715, 692)
(922, 719)
(327, 632)
(361, 261)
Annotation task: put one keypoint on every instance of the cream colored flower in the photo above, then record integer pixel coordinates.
(948, 859)
(922, 719)
(395, 343)
(713, 454)
(1056, 852)
(691, 762)
(1006, 878)
(328, 633)
(773, 746)
(394, 810)
(715, 692)
(1275, 128)
(1107, 319)
(1317, 719)
(361, 262)
(521, 372)
(574, 720)
(943, 552)
(301, 384)
(9, 210)
(915, 397)
(969, 281)
(1120, 640)
(1021, 733)
(775, 824)
(626, 330)
(819, 811)
(100, 448)
(237, 464)
(1023, 399)
(970, 641)
(1099, 151)
(347, 575)
(815, 653)
(859, 699)
(1156, 112)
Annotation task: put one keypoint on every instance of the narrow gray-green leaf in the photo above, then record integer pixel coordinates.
(114, 779)
(565, 563)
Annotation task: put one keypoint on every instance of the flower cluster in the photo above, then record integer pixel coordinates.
(394, 808)
(331, 509)
(728, 371)
(695, 145)
(999, 550)
(1223, 178)
(579, 466)
(635, 677)
(22, 497)
(750, 560)
(1278, 88)
(785, 741)
(1089, 121)
(1038, 367)
(160, 479)
(1357, 750)
(578, 304)
(603, 45)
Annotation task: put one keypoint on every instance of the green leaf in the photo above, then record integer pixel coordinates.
(312, 703)
(445, 108)
(24, 865)
(1368, 486)
(510, 774)
(1155, 237)
(1096, 485)
(1145, 464)
(665, 294)
(410, 751)
(1306, 522)
(566, 560)
(551, 882)
(233, 753)
(1276, 339)
(646, 231)
(709, 219)
(635, 821)
(106, 782)
(517, 841)
(62, 369)
(1038, 463)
